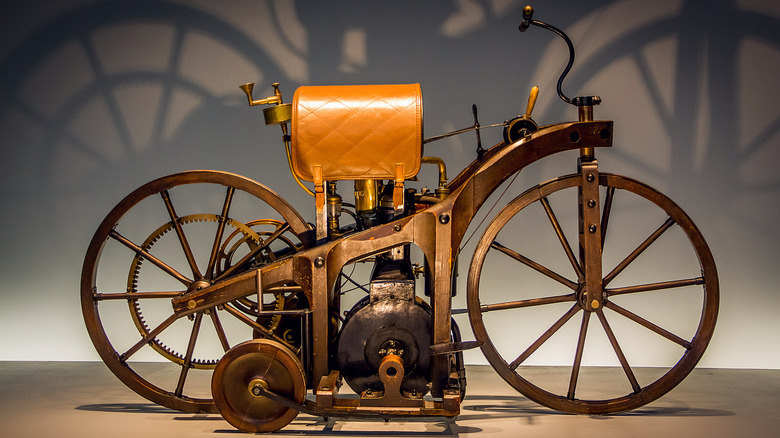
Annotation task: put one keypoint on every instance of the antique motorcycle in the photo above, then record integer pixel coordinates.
(246, 301)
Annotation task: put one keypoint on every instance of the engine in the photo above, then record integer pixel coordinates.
(390, 321)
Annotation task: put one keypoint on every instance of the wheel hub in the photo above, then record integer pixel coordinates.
(255, 385)
(198, 285)
(582, 300)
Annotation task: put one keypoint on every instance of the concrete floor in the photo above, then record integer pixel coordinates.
(83, 399)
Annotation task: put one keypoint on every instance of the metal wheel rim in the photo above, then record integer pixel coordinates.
(89, 304)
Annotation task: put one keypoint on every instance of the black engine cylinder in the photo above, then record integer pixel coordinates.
(372, 330)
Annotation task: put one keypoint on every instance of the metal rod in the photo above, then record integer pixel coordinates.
(135, 295)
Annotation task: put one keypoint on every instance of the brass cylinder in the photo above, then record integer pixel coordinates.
(278, 114)
(586, 115)
(334, 210)
(366, 195)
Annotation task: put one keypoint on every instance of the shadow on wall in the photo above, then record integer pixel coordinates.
(106, 96)
(703, 81)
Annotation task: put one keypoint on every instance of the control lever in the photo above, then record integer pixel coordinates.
(480, 151)
(522, 126)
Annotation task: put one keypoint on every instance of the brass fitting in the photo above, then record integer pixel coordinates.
(442, 191)
(334, 210)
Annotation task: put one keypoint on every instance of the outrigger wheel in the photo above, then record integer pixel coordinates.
(259, 362)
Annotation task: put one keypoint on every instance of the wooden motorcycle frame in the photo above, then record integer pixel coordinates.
(438, 230)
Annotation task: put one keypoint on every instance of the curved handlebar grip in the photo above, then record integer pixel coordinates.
(531, 101)
(528, 14)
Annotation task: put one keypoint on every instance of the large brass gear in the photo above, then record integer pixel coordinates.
(197, 256)
(285, 327)
(248, 236)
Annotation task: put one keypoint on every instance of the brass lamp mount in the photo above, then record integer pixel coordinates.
(279, 113)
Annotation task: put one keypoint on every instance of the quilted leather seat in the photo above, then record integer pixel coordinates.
(357, 132)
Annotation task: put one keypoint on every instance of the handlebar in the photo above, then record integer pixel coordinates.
(528, 13)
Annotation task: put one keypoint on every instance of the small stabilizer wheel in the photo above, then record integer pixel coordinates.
(251, 363)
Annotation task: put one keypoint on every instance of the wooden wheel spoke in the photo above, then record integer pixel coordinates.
(148, 337)
(575, 370)
(527, 303)
(618, 351)
(185, 367)
(654, 286)
(535, 266)
(219, 329)
(639, 250)
(136, 295)
(649, 325)
(542, 339)
(252, 254)
(154, 260)
(606, 213)
(220, 232)
(185, 245)
(561, 237)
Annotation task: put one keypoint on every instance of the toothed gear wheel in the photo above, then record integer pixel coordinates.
(185, 252)
(247, 236)
(284, 327)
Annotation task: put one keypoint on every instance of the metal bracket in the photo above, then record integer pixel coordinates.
(454, 347)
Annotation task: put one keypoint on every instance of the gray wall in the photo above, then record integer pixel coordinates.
(99, 97)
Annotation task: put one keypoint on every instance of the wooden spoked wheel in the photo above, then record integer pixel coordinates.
(180, 233)
(254, 363)
(526, 289)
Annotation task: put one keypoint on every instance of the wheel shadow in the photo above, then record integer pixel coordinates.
(127, 408)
